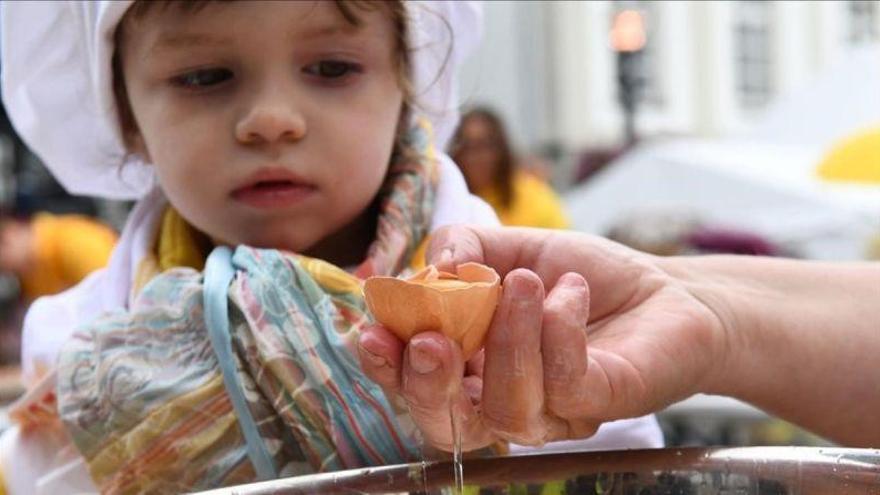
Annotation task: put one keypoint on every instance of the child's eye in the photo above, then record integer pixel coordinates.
(202, 78)
(331, 69)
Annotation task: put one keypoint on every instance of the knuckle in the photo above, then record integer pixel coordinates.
(514, 428)
(558, 372)
(565, 408)
(564, 314)
(556, 319)
(422, 399)
(564, 369)
(567, 403)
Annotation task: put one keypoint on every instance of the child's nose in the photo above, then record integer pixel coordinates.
(269, 122)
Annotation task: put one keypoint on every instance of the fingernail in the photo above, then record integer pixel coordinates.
(572, 280)
(424, 356)
(374, 359)
(523, 288)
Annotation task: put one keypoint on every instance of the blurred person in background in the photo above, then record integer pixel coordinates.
(482, 150)
(50, 253)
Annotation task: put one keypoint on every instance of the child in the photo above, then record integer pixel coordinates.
(303, 127)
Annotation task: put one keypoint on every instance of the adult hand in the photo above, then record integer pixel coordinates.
(615, 337)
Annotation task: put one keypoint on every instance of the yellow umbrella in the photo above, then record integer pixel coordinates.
(854, 159)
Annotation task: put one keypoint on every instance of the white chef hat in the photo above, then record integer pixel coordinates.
(58, 84)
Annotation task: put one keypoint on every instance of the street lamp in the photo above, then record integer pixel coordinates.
(628, 40)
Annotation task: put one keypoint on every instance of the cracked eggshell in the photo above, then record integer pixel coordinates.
(458, 305)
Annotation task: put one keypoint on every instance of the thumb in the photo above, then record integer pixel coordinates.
(453, 245)
(502, 248)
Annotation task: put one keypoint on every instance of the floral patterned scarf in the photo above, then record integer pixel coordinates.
(154, 405)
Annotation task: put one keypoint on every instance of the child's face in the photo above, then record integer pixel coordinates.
(269, 123)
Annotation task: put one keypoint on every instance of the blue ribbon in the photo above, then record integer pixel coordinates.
(219, 273)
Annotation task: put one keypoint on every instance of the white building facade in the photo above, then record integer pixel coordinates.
(711, 67)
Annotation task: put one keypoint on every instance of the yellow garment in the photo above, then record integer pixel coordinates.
(855, 159)
(178, 244)
(68, 247)
(534, 204)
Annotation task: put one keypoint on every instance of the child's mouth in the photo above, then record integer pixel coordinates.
(269, 194)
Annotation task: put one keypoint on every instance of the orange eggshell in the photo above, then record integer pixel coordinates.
(458, 305)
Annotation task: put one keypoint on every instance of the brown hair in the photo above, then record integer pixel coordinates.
(502, 177)
(348, 8)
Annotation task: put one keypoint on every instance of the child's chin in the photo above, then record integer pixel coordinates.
(285, 236)
(274, 242)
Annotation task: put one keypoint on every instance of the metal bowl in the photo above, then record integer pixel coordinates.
(699, 471)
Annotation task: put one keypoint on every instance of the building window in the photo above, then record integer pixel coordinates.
(753, 54)
(863, 20)
(650, 92)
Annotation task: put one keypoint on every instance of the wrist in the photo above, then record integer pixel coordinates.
(800, 338)
(734, 303)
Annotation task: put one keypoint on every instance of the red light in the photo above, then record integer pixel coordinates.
(628, 31)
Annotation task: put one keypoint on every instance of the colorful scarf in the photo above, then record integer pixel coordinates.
(154, 405)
